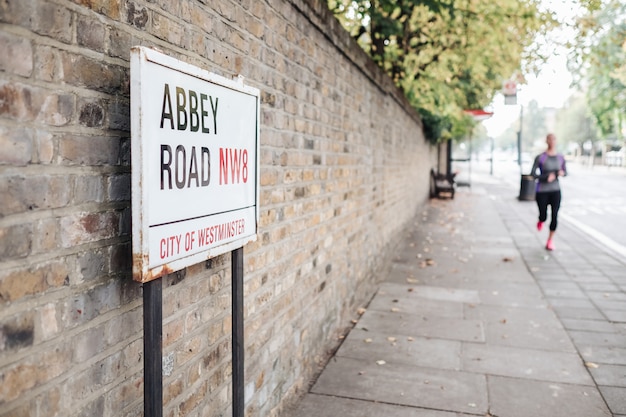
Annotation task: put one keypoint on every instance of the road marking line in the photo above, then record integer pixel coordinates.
(605, 240)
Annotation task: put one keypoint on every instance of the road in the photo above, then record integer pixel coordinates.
(594, 199)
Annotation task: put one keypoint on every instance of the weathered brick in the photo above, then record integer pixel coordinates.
(16, 147)
(124, 326)
(47, 66)
(168, 30)
(94, 408)
(119, 188)
(119, 114)
(48, 322)
(91, 114)
(17, 331)
(17, 12)
(172, 389)
(87, 305)
(90, 73)
(49, 402)
(172, 332)
(136, 15)
(45, 147)
(88, 150)
(33, 193)
(109, 8)
(88, 189)
(120, 43)
(56, 109)
(90, 33)
(88, 343)
(32, 372)
(93, 264)
(20, 283)
(121, 258)
(15, 242)
(81, 228)
(54, 21)
(192, 400)
(21, 52)
(124, 394)
(23, 103)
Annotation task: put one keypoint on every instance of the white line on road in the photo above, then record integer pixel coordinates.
(605, 240)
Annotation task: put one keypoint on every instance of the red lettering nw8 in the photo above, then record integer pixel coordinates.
(233, 166)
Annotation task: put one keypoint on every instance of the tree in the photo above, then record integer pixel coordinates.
(447, 55)
(575, 123)
(599, 62)
(534, 125)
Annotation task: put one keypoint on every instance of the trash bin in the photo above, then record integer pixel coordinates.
(527, 188)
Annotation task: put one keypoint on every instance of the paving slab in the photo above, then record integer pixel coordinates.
(604, 354)
(610, 375)
(600, 326)
(615, 398)
(452, 391)
(534, 328)
(315, 405)
(423, 326)
(512, 397)
(406, 301)
(531, 364)
(396, 348)
(597, 338)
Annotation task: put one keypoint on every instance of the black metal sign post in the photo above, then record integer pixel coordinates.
(153, 348)
(237, 332)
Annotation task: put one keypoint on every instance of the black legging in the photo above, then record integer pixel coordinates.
(552, 198)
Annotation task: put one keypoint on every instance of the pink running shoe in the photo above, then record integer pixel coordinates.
(539, 226)
(550, 245)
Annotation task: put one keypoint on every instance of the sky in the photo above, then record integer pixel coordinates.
(550, 88)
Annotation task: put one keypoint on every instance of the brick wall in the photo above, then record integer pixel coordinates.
(344, 166)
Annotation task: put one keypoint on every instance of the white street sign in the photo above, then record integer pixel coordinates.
(195, 174)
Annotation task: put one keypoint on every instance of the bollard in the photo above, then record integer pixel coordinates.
(527, 188)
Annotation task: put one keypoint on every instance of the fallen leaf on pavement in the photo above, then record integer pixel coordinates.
(430, 262)
(507, 259)
(391, 339)
(368, 340)
(380, 362)
(361, 311)
(395, 310)
(591, 365)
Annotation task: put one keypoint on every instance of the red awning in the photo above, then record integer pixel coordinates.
(479, 114)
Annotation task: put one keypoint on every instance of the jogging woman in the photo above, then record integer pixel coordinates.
(551, 166)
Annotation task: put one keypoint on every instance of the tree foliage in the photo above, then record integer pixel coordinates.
(447, 55)
(599, 63)
(575, 123)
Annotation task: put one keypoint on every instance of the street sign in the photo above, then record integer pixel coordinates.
(509, 89)
(195, 174)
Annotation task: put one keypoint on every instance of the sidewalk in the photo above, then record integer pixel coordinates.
(476, 318)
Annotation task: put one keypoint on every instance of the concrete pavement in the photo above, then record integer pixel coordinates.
(476, 318)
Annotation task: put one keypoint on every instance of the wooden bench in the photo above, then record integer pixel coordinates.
(441, 185)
